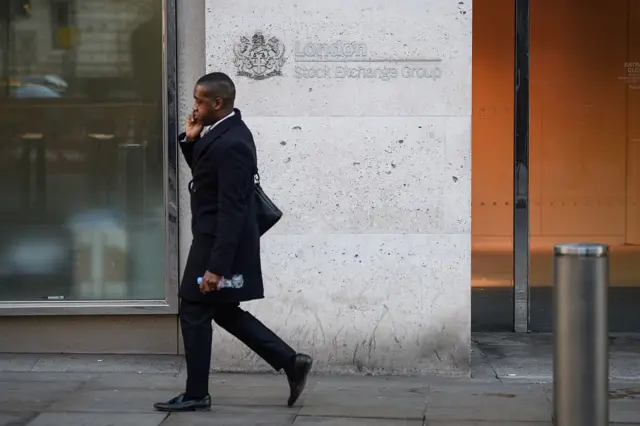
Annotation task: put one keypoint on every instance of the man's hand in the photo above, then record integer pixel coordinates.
(194, 127)
(210, 282)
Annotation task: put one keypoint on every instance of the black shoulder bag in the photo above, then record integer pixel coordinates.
(267, 213)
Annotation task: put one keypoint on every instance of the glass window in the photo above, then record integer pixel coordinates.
(492, 182)
(81, 151)
(585, 145)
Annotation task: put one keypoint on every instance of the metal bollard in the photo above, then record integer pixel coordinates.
(581, 353)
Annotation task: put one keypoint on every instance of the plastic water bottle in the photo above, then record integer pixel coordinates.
(237, 281)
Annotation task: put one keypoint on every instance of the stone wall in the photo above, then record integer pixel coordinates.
(363, 128)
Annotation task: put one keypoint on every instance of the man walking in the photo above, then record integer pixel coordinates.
(225, 246)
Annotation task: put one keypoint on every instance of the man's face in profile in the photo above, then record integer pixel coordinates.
(205, 107)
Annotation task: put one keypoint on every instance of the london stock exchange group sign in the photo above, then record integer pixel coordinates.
(259, 58)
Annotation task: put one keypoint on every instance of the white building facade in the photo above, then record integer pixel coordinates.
(362, 119)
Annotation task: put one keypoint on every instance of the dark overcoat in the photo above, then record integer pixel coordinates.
(226, 239)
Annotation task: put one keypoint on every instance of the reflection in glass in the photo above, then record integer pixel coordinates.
(81, 151)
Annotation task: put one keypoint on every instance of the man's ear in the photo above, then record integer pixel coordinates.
(218, 104)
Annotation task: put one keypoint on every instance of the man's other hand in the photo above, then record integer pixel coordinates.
(210, 282)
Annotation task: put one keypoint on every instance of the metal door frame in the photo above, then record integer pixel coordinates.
(521, 293)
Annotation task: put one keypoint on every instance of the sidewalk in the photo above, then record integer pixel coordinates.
(511, 356)
(41, 398)
(508, 388)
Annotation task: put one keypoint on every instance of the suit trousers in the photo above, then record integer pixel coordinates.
(195, 322)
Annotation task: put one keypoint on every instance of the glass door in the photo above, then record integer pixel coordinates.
(585, 145)
(492, 166)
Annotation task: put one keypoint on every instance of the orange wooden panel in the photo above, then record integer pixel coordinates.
(633, 122)
(577, 162)
(492, 119)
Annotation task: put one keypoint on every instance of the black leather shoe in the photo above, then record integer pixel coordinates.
(179, 403)
(298, 376)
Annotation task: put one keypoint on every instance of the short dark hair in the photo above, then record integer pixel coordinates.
(219, 85)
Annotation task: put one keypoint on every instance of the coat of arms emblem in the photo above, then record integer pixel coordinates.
(259, 58)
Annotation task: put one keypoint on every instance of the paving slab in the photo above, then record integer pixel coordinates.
(624, 411)
(29, 376)
(17, 362)
(480, 366)
(33, 396)
(489, 402)
(247, 409)
(624, 365)
(483, 423)
(367, 397)
(529, 356)
(251, 379)
(246, 390)
(111, 401)
(176, 382)
(363, 406)
(257, 394)
(514, 356)
(381, 397)
(253, 398)
(523, 368)
(15, 419)
(95, 419)
(222, 419)
(624, 402)
(379, 384)
(169, 382)
(109, 364)
(343, 421)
